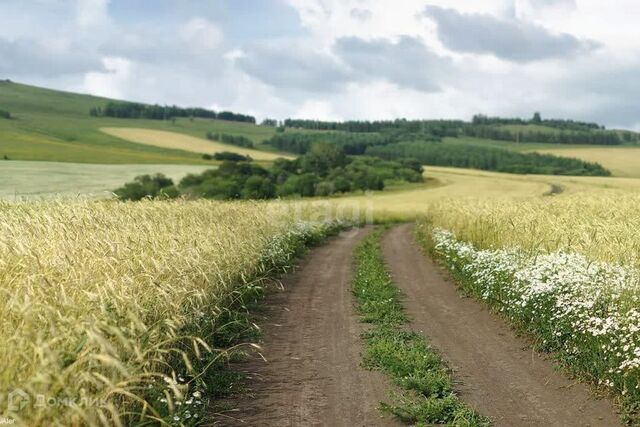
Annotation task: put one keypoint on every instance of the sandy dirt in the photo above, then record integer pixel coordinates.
(313, 349)
(498, 373)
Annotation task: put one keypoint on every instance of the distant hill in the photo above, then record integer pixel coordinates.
(52, 125)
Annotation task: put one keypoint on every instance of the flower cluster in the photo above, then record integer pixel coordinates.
(586, 312)
(284, 246)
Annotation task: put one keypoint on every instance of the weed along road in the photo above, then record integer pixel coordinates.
(499, 374)
(312, 346)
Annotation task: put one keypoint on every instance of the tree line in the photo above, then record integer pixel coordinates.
(487, 158)
(559, 137)
(237, 140)
(480, 119)
(434, 127)
(350, 143)
(134, 110)
(568, 131)
(323, 171)
(227, 155)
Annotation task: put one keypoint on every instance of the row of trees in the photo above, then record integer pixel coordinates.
(237, 140)
(134, 110)
(434, 127)
(227, 156)
(323, 171)
(487, 158)
(500, 133)
(478, 125)
(350, 143)
(480, 119)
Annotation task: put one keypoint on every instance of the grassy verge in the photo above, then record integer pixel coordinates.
(427, 395)
(582, 312)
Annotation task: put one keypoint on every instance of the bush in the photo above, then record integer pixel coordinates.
(303, 185)
(4, 114)
(232, 157)
(324, 171)
(148, 186)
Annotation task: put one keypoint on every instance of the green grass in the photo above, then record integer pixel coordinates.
(55, 126)
(29, 179)
(428, 397)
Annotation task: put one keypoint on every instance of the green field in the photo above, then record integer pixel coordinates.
(29, 179)
(55, 126)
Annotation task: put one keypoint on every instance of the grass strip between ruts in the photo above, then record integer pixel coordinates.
(427, 395)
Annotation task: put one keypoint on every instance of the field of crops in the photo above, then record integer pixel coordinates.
(564, 269)
(461, 184)
(110, 309)
(29, 179)
(178, 141)
(621, 161)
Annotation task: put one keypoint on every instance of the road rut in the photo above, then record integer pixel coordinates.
(313, 349)
(500, 376)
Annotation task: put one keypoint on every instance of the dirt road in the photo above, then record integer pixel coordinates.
(313, 349)
(499, 375)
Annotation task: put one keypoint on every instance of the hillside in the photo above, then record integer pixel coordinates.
(56, 126)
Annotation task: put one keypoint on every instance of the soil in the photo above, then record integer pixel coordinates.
(498, 373)
(312, 346)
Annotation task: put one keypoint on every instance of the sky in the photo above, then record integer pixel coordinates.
(337, 59)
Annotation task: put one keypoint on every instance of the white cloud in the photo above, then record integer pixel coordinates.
(201, 35)
(114, 82)
(209, 53)
(91, 13)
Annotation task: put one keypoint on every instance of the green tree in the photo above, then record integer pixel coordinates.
(536, 118)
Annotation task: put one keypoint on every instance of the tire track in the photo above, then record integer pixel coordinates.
(500, 376)
(312, 345)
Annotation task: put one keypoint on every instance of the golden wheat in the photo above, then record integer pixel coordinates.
(94, 296)
(603, 225)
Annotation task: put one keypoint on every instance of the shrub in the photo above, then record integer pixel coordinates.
(148, 186)
(232, 157)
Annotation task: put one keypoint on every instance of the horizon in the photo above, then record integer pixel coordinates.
(330, 60)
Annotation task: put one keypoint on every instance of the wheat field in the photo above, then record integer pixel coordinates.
(101, 300)
(179, 141)
(621, 161)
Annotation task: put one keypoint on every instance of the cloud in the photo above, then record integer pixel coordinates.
(111, 83)
(407, 62)
(90, 13)
(361, 14)
(196, 43)
(336, 59)
(201, 34)
(512, 40)
(293, 65)
(33, 58)
(605, 91)
(571, 4)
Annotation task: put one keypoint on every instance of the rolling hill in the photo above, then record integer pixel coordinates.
(51, 125)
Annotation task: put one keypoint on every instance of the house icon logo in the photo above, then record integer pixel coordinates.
(17, 400)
